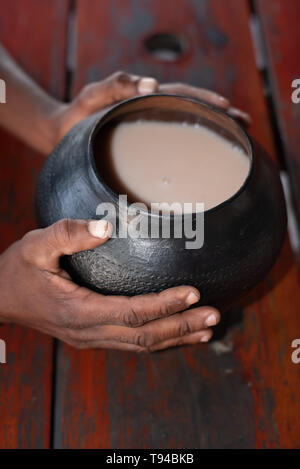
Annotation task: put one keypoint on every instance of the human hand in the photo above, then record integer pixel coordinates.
(97, 96)
(120, 86)
(37, 293)
(208, 96)
(41, 121)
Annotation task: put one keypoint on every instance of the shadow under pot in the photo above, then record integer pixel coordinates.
(242, 236)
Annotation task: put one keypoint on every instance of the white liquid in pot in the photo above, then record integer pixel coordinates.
(172, 162)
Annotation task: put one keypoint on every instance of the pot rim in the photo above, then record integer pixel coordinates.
(212, 108)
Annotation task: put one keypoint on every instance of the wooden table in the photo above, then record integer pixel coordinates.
(242, 390)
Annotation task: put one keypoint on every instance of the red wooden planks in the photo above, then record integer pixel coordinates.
(35, 34)
(280, 22)
(81, 421)
(111, 36)
(241, 391)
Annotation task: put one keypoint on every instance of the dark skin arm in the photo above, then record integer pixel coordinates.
(41, 120)
(35, 291)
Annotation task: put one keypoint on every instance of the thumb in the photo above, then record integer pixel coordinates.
(67, 236)
(115, 88)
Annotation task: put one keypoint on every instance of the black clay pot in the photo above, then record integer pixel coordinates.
(242, 236)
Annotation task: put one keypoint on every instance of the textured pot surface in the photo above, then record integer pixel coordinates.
(242, 236)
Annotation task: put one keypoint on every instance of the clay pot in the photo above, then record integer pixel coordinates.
(242, 236)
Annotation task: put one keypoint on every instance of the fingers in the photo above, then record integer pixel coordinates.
(121, 85)
(44, 247)
(189, 327)
(174, 327)
(208, 96)
(94, 309)
(198, 93)
(73, 338)
(115, 88)
(240, 115)
(190, 339)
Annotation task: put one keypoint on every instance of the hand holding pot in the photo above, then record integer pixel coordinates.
(37, 293)
(41, 121)
(120, 86)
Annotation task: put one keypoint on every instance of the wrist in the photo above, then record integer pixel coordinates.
(3, 288)
(9, 279)
(50, 126)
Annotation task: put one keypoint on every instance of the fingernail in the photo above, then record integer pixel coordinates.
(205, 338)
(98, 228)
(237, 113)
(223, 101)
(211, 320)
(147, 85)
(192, 298)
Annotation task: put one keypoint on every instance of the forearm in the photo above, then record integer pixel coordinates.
(41, 121)
(29, 112)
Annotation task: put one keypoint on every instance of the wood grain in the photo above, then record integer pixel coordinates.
(34, 33)
(280, 27)
(241, 390)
